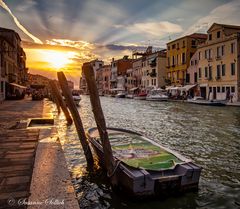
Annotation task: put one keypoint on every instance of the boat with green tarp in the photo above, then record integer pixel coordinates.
(144, 167)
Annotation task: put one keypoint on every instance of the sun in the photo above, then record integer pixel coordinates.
(58, 59)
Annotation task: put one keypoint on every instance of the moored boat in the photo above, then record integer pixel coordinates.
(157, 95)
(76, 97)
(144, 167)
(121, 94)
(141, 96)
(202, 101)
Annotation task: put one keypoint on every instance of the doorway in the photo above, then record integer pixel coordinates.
(214, 93)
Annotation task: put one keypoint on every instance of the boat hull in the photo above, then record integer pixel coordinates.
(142, 182)
(209, 103)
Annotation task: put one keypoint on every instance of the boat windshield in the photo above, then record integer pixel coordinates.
(137, 152)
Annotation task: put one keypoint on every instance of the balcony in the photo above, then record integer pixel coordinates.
(218, 57)
(218, 77)
(153, 74)
(209, 59)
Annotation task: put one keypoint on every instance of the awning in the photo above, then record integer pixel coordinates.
(17, 85)
(203, 85)
(188, 87)
(117, 89)
(134, 89)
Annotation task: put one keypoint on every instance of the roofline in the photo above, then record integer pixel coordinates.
(188, 36)
(10, 30)
(225, 26)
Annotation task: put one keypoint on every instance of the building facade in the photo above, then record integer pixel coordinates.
(96, 64)
(179, 53)
(106, 74)
(12, 63)
(219, 63)
(154, 70)
(118, 73)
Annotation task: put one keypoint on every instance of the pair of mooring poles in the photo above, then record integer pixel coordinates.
(98, 115)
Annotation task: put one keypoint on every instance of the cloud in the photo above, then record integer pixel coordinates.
(20, 26)
(225, 14)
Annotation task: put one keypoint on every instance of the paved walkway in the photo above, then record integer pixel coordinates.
(45, 179)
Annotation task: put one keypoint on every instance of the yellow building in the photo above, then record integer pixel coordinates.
(219, 63)
(179, 53)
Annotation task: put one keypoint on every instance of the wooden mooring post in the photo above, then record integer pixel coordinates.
(59, 100)
(76, 117)
(100, 120)
(55, 100)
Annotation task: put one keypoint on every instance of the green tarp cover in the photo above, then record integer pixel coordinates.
(135, 151)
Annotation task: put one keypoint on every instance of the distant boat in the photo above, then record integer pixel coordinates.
(157, 95)
(121, 94)
(144, 167)
(76, 97)
(201, 101)
(141, 96)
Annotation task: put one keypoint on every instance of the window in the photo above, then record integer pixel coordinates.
(232, 48)
(232, 68)
(199, 55)
(223, 89)
(187, 78)
(193, 43)
(218, 51)
(199, 72)
(210, 53)
(192, 63)
(195, 77)
(210, 37)
(210, 72)
(177, 45)
(218, 89)
(210, 89)
(183, 43)
(206, 54)
(218, 34)
(195, 62)
(206, 72)
(168, 47)
(173, 46)
(173, 61)
(2, 86)
(218, 71)
(223, 70)
(223, 50)
(183, 58)
(233, 89)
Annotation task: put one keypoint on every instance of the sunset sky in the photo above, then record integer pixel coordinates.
(62, 34)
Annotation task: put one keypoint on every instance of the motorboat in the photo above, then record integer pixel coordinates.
(121, 94)
(201, 101)
(144, 167)
(141, 96)
(157, 95)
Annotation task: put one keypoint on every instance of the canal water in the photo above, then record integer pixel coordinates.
(210, 136)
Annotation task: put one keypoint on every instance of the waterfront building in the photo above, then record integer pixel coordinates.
(106, 74)
(99, 80)
(179, 53)
(137, 73)
(131, 80)
(118, 73)
(96, 64)
(12, 63)
(153, 69)
(219, 63)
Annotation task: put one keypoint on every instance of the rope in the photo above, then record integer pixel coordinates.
(114, 170)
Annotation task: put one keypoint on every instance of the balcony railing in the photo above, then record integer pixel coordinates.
(209, 59)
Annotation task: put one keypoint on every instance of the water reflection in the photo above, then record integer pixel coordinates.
(208, 135)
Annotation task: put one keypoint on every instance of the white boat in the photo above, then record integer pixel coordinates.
(76, 97)
(201, 101)
(157, 95)
(121, 94)
(129, 96)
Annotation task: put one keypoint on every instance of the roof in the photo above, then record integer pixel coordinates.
(225, 26)
(194, 35)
